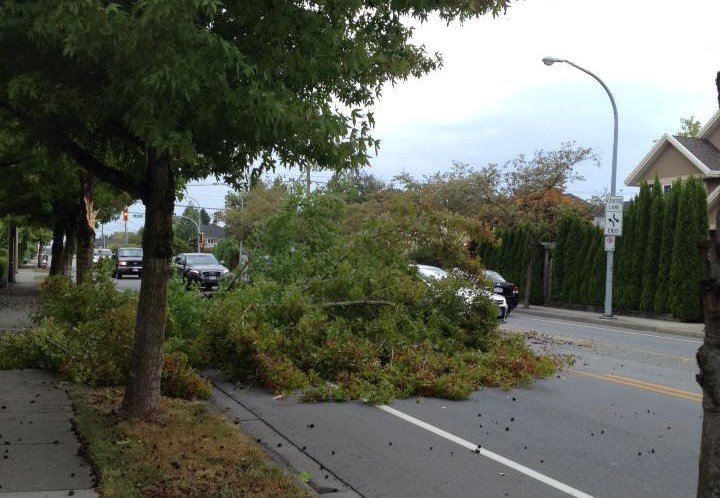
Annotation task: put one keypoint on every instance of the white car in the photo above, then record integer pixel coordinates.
(432, 273)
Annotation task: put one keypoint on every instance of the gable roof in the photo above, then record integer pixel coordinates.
(710, 127)
(706, 152)
(688, 147)
(713, 196)
(213, 231)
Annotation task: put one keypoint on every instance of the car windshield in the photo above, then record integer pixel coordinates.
(494, 276)
(201, 259)
(105, 252)
(431, 273)
(130, 253)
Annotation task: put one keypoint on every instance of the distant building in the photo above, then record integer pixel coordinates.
(212, 234)
(677, 158)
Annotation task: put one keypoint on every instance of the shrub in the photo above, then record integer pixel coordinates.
(85, 333)
(3, 267)
(343, 316)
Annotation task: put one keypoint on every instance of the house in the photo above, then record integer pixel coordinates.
(676, 157)
(212, 235)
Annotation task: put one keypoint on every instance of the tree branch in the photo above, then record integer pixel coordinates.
(359, 303)
(13, 162)
(102, 171)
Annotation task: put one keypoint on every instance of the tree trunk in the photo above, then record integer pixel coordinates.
(528, 280)
(86, 227)
(142, 393)
(708, 358)
(56, 260)
(71, 231)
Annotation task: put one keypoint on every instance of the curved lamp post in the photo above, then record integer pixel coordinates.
(549, 61)
(197, 223)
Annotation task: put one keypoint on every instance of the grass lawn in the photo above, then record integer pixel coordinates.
(185, 452)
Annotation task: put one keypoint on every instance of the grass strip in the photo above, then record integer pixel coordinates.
(184, 452)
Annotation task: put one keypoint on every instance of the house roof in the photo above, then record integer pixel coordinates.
(699, 151)
(713, 196)
(710, 127)
(688, 147)
(706, 152)
(213, 231)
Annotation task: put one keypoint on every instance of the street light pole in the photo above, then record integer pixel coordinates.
(196, 225)
(199, 220)
(549, 61)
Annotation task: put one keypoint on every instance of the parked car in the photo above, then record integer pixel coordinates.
(432, 273)
(99, 254)
(508, 290)
(128, 261)
(200, 268)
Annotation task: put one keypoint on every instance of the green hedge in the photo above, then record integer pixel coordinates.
(510, 257)
(658, 263)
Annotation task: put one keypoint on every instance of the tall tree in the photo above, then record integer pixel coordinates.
(687, 266)
(145, 94)
(652, 248)
(668, 237)
(708, 358)
(689, 127)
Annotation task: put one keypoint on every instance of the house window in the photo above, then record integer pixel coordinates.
(666, 188)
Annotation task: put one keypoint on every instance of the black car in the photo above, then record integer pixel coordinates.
(200, 268)
(506, 289)
(128, 261)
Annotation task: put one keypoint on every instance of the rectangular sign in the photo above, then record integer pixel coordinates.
(614, 207)
(613, 223)
(609, 242)
(614, 199)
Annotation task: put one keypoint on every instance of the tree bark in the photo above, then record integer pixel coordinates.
(56, 261)
(708, 358)
(71, 231)
(528, 279)
(142, 393)
(86, 227)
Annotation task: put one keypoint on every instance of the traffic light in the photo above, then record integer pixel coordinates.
(202, 238)
(125, 215)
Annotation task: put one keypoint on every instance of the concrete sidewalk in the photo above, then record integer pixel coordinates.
(696, 330)
(19, 299)
(40, 450)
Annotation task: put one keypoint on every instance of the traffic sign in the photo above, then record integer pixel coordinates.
(613, 204)
(609, 242)
(613, 223)
(613, 215)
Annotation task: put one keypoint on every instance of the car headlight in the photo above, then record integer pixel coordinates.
(122, 263)
(194, 273)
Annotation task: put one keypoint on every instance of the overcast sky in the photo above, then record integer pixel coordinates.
(494, 98)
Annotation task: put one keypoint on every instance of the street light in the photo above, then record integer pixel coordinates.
(194, 223)
(549, 61)
(199, 220)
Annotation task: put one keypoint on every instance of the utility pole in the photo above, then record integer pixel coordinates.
(307, 179)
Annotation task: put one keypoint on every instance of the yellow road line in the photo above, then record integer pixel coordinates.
(645, 386)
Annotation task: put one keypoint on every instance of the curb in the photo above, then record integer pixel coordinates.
(293, 460)
(617, 322)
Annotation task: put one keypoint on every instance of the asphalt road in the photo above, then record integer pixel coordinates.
(128, 283)
(624, 422)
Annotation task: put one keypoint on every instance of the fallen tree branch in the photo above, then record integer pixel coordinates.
(359, 303)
